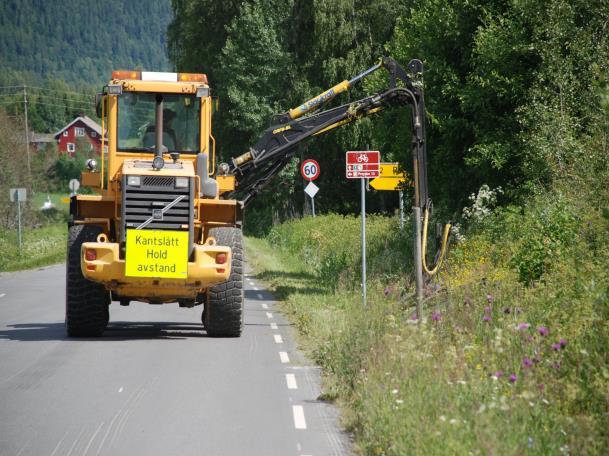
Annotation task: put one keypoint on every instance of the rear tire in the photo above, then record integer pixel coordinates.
(87, 302)
(223, 313)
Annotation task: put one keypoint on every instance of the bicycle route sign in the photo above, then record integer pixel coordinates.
(363, 164)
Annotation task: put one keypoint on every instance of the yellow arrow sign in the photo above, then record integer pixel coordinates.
(390, 179)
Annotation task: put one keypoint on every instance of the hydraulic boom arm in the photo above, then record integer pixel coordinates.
(254, 169)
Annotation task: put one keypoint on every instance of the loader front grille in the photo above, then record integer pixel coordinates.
(145, 206)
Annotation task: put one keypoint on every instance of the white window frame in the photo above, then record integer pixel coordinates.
(65, 132)
(93, 134)
(79, 131)
(71, 147)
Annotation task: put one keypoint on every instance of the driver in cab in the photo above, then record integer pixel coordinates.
(169, 135)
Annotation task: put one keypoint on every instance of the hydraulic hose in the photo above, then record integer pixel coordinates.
(443, 246)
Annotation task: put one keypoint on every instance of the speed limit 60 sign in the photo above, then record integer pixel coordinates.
(309, 169)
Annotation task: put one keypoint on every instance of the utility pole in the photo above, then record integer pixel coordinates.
(27, 137)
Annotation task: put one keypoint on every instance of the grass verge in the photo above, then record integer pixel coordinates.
(510, 357)
(40, 247)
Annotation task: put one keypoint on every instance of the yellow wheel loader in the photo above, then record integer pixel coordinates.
(164, 222)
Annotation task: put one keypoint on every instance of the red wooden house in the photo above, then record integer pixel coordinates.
(83, 128)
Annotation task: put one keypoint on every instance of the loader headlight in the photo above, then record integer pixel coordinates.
(181, 182)
(115, 89)
(134, 181)
(92, 164)
(202, 92)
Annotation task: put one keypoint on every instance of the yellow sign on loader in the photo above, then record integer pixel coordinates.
(390, 179)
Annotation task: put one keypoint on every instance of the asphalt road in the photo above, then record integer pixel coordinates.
(154, 384)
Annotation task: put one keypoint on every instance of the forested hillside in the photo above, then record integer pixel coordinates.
(79, 41)
(514, 90)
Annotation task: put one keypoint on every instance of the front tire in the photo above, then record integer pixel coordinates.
(87, 302)
(223, 314)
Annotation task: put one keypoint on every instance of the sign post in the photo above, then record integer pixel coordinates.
(310, 171)
(17, 195)
(362, 165)
(401, 196)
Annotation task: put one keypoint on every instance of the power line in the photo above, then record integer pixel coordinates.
(46, 89)
(64, 99)
(80, 94)
(35, 98)
(46, 104)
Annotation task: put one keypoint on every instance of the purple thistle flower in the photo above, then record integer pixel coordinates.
(563, 343)
(541, 386)
(498, 374)
(526, 362)
(542, 330)
(523, 326)
(556, 346)
(414, 317)
(489, 298)
(486, 318)
(487, 309)
(436, 316)
(512, 378)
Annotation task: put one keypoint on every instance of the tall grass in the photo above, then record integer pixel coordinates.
(510, 357)
(40, 247)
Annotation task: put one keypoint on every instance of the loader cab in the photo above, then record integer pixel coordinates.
(134, 103)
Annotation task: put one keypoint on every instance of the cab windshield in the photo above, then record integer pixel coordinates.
(137, 122)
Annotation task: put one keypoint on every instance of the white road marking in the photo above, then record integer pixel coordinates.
(120, 390)
(284, 357)
(259, 295)
(2, 295)
(291, 381)
(265, 306)
(269, 315)
(299, 418)
(256, 288)
(278, 339)
(274, 326)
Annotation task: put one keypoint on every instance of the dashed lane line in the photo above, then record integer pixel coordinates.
(278, 339)
(265, 306)
(274, 326)
(269, 315)
(291, 381)
(283, 356)
(299, 417)
(2, 295)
